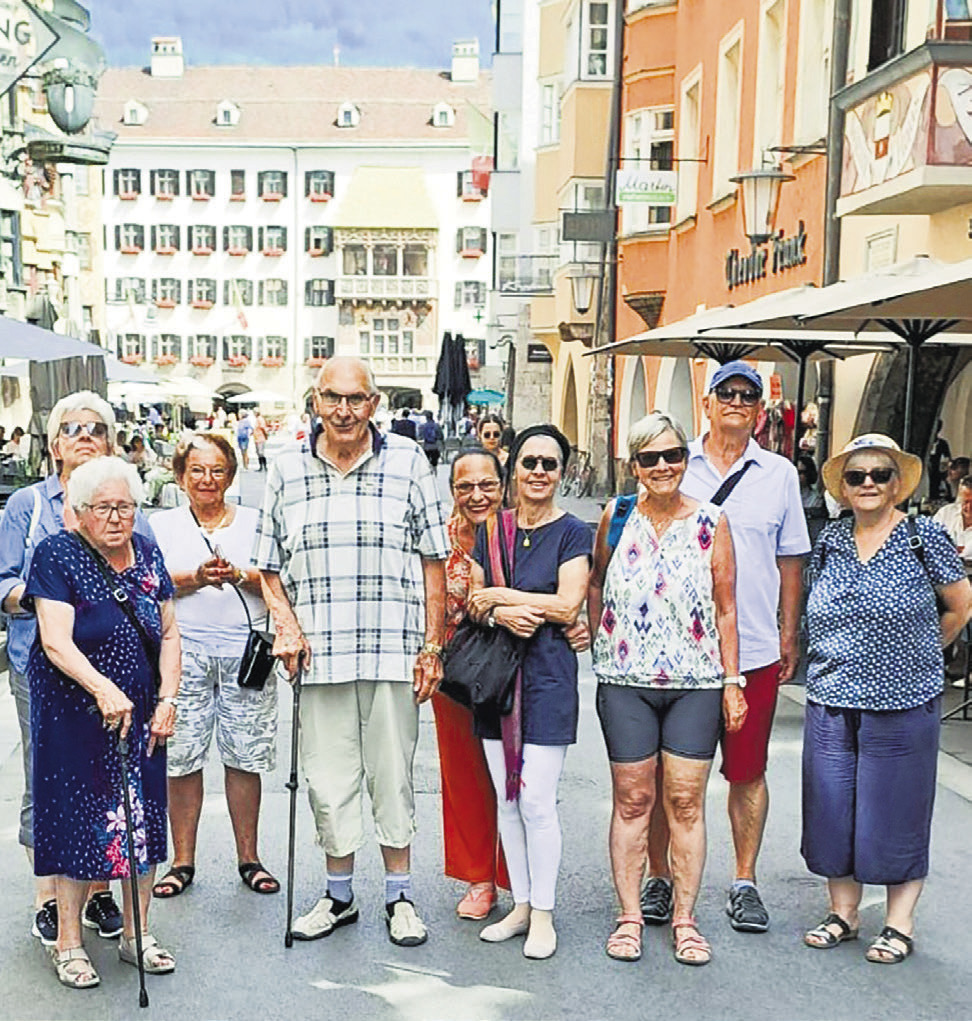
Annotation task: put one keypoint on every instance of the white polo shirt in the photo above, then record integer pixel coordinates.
(766, 519)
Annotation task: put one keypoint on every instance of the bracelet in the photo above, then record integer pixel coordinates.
(170, 700)
(738, 679)
(240, 576)
(432, 649)
(491, 619)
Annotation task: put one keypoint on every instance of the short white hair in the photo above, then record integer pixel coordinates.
(88, 478)
(83, 400)
(649, 428)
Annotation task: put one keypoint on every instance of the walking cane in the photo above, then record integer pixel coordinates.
(292, 787)
(143, 1000)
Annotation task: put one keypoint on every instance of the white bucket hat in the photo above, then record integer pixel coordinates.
(908, 465)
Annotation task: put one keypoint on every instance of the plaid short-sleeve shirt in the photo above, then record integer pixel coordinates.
(349, 553)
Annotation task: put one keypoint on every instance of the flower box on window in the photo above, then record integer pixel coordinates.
(471, 253)
(201, 250)
(134, 358)
(165, 249)
(166, 359)
(164, 197)
(472, 195)
(316, 253)
(201, 303)
(236, 250)
(200, 196)
(272, 362)
(237, 361)
(315, 363)
(128, 196)
(273, 252)
(201, 361)
(130, 249)
(238, 196)
(272, 196)
(321, 196)
(165, 303)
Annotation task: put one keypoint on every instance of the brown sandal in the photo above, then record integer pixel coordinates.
(690, 948)
(625, 946)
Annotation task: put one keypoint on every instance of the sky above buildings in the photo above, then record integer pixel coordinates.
(377, 33)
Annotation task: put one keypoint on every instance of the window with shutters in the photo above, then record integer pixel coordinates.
(237, 291)
(165, 184)
(202, 292)
(128, 183)
(237, 185)
(471, 242)
(470, 294)
(317, 350)
(202, 349)
(165, 239)
(319, 292)
(129, 238)
(166, 292)
(415, 260)
(467, 189)
(130, 289)
(273, 352)
(168, 349)
(201, 184)
(273, 240)
(273, 291)
(319, 185)
(355, 260)
(237, 350)
(131, 348)
(319, 241)
(237, 240)
(272, 185)
(384, 260)
(202, 239)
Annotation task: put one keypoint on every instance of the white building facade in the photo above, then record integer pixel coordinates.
(260, 220)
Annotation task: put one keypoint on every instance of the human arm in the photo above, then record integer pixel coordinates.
(791, 598)
(14, 528)
(170, 671)
(289, 645)
(595, 583)
(427, 672)
(734, 706)
(521, 620)
(957, 601)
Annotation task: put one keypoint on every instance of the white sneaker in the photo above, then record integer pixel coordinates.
(405, 928)
(322, 919)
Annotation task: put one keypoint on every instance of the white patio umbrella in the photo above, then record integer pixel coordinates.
(260, 397)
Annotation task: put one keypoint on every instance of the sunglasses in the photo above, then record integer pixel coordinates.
(490, 435)
(649, 458)
(71, 429)
(727, 394)
(549, 464)
(855, 477)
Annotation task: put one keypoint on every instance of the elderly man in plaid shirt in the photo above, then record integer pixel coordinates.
(352, 548)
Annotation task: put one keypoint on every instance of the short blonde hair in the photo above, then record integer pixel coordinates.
(88, 478)
(83, 400)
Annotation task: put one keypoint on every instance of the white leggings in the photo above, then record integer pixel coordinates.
(530, 827)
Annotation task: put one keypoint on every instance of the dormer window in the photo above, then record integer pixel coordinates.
(227, 114)
(443, 116)
(134, 113)
(348, 116)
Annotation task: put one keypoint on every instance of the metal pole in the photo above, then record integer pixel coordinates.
(913, 346)
(801, 386)
(292, 785)
(143, 1000)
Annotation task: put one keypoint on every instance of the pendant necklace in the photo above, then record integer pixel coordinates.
(528, 533)
(209, 529)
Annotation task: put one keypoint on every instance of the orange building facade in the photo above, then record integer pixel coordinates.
(713, 89)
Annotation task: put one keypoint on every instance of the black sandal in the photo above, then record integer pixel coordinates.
(823, 938)
(174, 882)
(883, 951)
(265, 884)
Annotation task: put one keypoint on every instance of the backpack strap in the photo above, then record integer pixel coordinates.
(623, 507)
(729, 484)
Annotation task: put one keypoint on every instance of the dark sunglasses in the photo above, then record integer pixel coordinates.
(727, 394)
(550, 464)
(490, 435)
(71, 429)
(856, 477)
(649, 458)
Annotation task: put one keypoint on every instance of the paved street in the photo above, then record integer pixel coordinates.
(232, 963)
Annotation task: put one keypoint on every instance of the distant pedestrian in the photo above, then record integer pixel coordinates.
(244, 429)
(404, 426)
(490, 432)
(958, 468)
(432, 438)
(260, 434)
(938, 460)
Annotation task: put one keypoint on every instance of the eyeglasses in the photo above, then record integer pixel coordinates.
(649, 458)
(330, 399)
(549, 464)
(103, 511)
(198, 473)
(856, 477)
(71, 429)
(488, 487)
(727, 394)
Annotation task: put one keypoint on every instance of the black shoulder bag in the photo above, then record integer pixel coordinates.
(258, 660)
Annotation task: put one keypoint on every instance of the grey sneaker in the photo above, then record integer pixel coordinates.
(101, 913)
(405, 928)
(324, 917)
(45, 923)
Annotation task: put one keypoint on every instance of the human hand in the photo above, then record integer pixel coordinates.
(426, 676)
(523, 621)
(578, 636)
(734, 708)
(115, 708)
(291, 647)
(789, 656)
(162, 726)
(215, 572)
(482, 601)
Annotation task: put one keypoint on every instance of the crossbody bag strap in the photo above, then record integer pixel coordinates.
(508, 543)
(120, 596)
(729, 484)
(246, 609)
(497, 566)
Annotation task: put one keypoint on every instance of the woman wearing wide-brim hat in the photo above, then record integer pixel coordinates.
(887, 594)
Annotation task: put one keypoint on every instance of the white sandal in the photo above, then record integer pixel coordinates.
(74, 968)
(155, 958)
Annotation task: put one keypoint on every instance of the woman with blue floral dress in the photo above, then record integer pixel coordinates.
(94, 677)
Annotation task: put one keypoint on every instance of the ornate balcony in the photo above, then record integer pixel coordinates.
(368, 287)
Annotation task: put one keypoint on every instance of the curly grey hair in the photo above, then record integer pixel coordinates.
(89, 477)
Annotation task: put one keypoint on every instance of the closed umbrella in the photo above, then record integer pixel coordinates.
(451, 384)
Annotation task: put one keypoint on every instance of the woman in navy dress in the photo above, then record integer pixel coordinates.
(93, 679)
(525, 752)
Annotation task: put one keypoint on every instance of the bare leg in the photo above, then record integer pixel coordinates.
(685, 781)
(634, 795)
(243, 792)
(341, 866)
(70, 900)
(658, 833)
(45, 887)
(185, 807)
(396, 859)
(748, 808)
(145, 884)
(902, 901)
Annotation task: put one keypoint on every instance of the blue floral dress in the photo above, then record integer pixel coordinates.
(79, 813)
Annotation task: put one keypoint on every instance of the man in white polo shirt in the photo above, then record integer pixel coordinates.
(770, 538)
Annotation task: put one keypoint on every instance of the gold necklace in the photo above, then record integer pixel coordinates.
(209, 529)
(528, 532)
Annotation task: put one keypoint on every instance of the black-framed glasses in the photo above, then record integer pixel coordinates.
(856, 477)
(488, 487)
(549, 464)
(71, 429)
(649, 458)
(103, 511)
(748, 396)
(332, 399)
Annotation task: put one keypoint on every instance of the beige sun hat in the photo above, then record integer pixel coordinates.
(909, 466)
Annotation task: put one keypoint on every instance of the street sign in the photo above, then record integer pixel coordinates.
(658, 187)
(24, 40)
(591, 225)
(538, 353)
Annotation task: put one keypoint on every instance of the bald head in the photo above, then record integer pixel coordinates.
(346, 373)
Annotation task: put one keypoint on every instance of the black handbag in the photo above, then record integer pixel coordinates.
(481, 662)
(258, 660)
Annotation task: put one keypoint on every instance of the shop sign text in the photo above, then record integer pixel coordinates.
(779, 254)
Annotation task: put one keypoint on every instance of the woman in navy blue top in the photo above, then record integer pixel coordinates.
(93, 678)
(525, 751)
(887, 594)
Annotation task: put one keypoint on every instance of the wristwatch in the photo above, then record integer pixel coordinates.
(738, 679)
(432, 649)
(170, 700)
